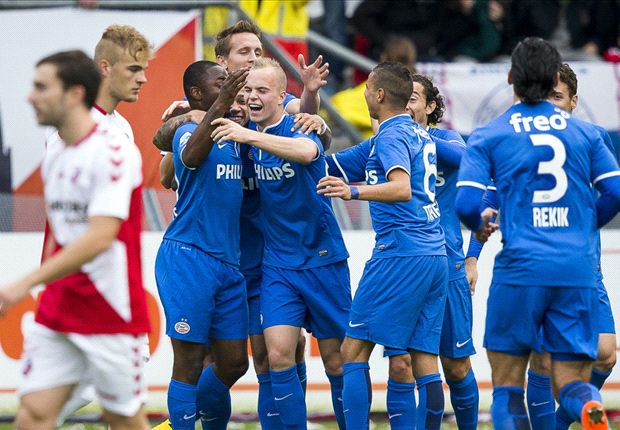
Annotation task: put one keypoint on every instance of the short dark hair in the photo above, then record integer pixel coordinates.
(431, 93)
(194, 75)
(568, 76)
(75, 68)
(222, 44)
(535, 63)
(395, 79)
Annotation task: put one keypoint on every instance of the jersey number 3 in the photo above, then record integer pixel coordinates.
(553, 167)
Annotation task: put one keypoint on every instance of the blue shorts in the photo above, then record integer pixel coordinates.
(252, 282)
(400, 303)
(606, 322)
(456, 338)
(317, 298)
(516, 315)
(203, 298)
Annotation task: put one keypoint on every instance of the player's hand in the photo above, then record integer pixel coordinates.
(487, 228)
(307, 123)
(471, 270)
(233, 84)
(314, 75)
(230, 130)
(11, 294)
(176, 108)
(330, 186)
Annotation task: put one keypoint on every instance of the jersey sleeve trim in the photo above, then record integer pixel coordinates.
(471, 184)
(396, 167)
(344, 175)
(492, 188)
(183, 162)
(606, 175)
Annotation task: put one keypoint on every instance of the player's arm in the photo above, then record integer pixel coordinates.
(350, 164)
(163, 137)
(200, 143)
(396, 189)
(307, 123)
(313, 77)
(298, 150)
(474, 249)
(450, 151)
(606, 179)
(166, 172)
(98, 237)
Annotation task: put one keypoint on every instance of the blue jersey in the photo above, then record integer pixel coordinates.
(300, 227)
(206, 214)
(405, 228)
(542, 161)
(252, 242)
(447, 176)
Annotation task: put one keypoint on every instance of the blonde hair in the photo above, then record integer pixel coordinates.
(266, 63)
(125, 37)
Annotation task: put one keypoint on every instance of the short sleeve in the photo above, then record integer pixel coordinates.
(313, 137)
(475, 169)
(350, 164)
(604, 164)
(393, 152)
(116, 174)
(180, 139)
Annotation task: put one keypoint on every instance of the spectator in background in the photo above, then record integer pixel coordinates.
(351, 103)
(472, 35)
(415, 19)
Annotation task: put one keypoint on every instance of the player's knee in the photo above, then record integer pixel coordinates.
(236, 367)
(400, 368)
(187, 368)
(606, 359)
(541, 364)
(300, 352)
(456, 370)
(31, 417)
(280, 359)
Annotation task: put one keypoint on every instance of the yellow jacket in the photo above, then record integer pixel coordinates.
(351, 104)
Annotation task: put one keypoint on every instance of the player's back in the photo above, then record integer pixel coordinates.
(543, 161)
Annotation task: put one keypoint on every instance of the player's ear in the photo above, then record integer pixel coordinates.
(195, 93)
(221, 61)
(430, 107)
(556, 79)
(281, 97)
(510, 77)
(573, 101)
(380, 95)
(104, 67)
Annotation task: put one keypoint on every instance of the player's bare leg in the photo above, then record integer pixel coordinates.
(40, 409)
(455, 369)
(120, 422)
(508, 376)
(401, 404)
(606, 359)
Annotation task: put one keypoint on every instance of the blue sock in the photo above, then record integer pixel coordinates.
(540, 403)
(268, 416)
(213, 401)
(336, 383)
(401, 404)
(301, 373)
(508, 409)
(464, 397)
(429, 412)
(575, 395)
(182, 405)
(356, 395)
(289, 398)
(562, 419)
(598, 378)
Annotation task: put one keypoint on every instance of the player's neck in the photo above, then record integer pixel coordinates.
(389, 113)
(271, 120)
(106, 101)
(76, 127)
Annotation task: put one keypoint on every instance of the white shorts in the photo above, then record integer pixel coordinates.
(111, 363)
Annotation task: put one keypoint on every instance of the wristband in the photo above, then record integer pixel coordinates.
(355, 193)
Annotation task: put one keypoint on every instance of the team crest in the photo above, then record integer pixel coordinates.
(182, 327)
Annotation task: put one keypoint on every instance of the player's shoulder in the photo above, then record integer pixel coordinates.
(445, 134)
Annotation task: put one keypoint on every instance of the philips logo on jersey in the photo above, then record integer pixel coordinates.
(228, 171)
(557, 121)
(274, 173)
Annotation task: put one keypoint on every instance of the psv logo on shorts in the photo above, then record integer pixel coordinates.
(182, 327)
